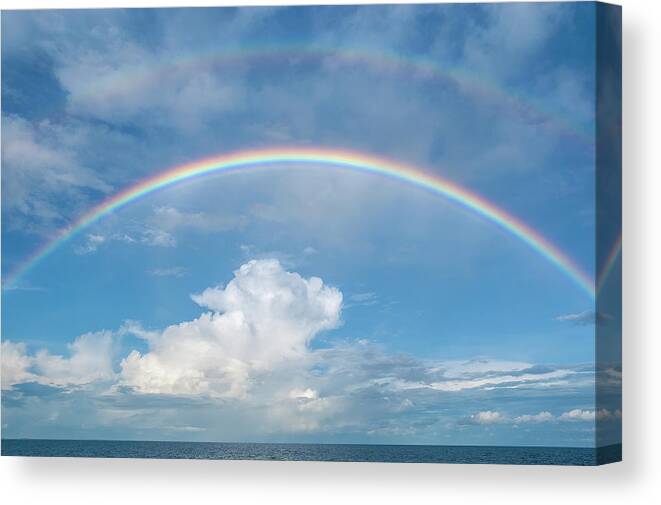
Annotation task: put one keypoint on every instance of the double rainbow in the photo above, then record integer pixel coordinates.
(317, 159)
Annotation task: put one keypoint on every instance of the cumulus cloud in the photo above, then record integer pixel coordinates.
(251, 352)
(590, 415)
(541, 417)
(15, 364)
(262, 318)
(89, 360)
(484, 417)
(574, 415)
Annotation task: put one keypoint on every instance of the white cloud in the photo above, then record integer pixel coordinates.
(90, 360)
(158, 230)
(542, 417)
(488, 417)
(366, 299)
(145, 236)
(15, 364)
(263, 317)
(303, 394)
(575, 415)
(251, 355)
(470, 368)
(578, 415)
(159, 238)
(91, 244)
(589, 415)
(585, 317)
(117, 80)
(489, 381)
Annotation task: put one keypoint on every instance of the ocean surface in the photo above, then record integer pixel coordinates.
(312, 452)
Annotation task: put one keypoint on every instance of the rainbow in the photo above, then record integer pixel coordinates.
(114, 82)
(609, 264)
(318, 158)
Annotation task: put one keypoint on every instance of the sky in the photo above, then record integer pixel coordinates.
(288, 304)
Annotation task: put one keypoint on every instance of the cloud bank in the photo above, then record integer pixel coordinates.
(252, 356)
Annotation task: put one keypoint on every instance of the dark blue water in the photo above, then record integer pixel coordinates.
(313, 452)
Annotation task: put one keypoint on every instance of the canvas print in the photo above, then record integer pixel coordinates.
(386, 233)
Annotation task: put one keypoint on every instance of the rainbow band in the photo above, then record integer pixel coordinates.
(609, 264)
(124, 80)
(243, 160)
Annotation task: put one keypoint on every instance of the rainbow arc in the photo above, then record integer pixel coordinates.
(318, 159)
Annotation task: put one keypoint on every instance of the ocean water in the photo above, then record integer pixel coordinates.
(312, 452)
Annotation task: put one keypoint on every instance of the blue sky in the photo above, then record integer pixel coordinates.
(288, 305)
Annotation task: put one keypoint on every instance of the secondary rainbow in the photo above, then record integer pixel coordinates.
(114, 83)
(319, 159)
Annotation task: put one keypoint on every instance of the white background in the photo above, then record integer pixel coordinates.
(636, 480)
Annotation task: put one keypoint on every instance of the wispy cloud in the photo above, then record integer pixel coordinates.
(168, 272)
(586, 317)
(366, 299)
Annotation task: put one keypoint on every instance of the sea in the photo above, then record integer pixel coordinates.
(312, 452)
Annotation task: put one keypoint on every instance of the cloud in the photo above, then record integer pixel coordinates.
(158, 230)
(542, 417)
(366, 299)
(91, 244)
(590, 415)
(158, 238)
(117, 80)
(250, 362)
(575, 415)
(512, 34)
(145, 236)
(263, 317)
(578, 415)
(586, 317)
(485, 417)
(168, 272)
(171, 219)
(303, 394)
(40, 164)
(488, 417)
(527, 378)
(480, 367)
(15, 364)
(21, 287)
(580, 318)
(89, 360)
